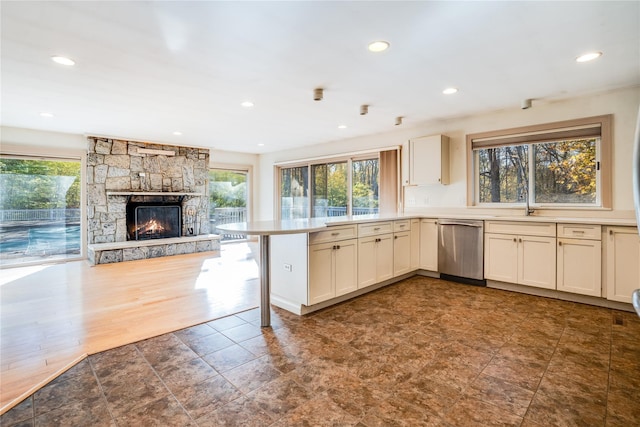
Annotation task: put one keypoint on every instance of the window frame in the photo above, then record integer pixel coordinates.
(309, 163)
(11, 151)
(547, 132)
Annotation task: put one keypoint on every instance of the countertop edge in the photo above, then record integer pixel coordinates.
(319, 224)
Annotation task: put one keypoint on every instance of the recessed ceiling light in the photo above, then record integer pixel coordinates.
(177, 133)
(342, 126)
(450, 91)
(588, 56)
(47, 115)
(378, 46)
(63, 60)
(247, 104)
(261, 145)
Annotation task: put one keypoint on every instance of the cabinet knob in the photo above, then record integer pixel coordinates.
(515, 240)
(338, 247)
(335, 234)
(334, 247)
(559, 243)
(395, 237)
(520, 240)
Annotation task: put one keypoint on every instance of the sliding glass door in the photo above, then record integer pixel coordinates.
(228, 196)
(40, 217)
(348, 186)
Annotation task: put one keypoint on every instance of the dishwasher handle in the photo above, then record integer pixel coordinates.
(466, 224)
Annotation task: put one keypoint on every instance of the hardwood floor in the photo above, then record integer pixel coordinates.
(52, 316)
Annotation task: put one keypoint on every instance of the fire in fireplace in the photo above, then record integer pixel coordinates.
(153, 220)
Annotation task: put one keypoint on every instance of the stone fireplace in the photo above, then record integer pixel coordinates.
(146, 200)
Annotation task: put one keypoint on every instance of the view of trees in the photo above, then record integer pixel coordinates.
(39, 184)
(563, 172)
(566, 171)
(227, 189)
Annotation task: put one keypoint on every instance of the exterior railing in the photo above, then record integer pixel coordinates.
(7, 215)
(227, 216)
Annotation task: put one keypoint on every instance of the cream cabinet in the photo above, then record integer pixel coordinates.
(401, 247)
(375, 253)
(579, 256)
(521, 253)
(622, 246)
(332, 269)
(429, 244)
(428, 160)
(415, 244)
(333, 263)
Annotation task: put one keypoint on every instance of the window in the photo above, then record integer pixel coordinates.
(227, 199)
(348, 186)
(562, 164)
(40, 215)
(294, 192)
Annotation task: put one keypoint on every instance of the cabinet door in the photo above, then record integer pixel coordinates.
(537, 261)
(501, 257)
(321, 283)
(401, 253)
(579, 266)
(366, 261)
(429, 244)
(429, 160)
(623, 263)
(415, 244)
(346, 266)
(384, 257)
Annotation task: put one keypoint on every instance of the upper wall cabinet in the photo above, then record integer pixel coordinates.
(428, 160)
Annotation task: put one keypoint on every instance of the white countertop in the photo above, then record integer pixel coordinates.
(295, 226)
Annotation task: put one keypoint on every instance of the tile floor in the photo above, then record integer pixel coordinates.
(422, 352)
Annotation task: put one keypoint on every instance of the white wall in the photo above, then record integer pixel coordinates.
(623, 104)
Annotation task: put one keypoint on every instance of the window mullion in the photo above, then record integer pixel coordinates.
(349, 187)
(531, 174)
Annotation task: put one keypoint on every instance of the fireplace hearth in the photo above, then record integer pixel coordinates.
(153, 220)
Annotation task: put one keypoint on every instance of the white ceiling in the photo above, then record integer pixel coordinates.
(146, 69)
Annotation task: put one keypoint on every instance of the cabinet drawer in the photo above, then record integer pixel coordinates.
(333, 234)
(404, 225)
(522, 228)
(374, 228)
(580, 231)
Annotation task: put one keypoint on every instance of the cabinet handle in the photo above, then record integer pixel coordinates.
(376, 229)
(395, 237)
(334, 247)
(610, 232)
(559, 243)
(515, 240)
(578, 231)
(520, 240)
(338, 247)
(402, 225)
(335, 234)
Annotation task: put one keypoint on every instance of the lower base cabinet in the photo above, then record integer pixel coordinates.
(580, 259)
(375, 259)
(524, 259)
(333, 270)
(623, 263)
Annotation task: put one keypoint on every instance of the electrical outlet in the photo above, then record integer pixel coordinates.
(288, 267)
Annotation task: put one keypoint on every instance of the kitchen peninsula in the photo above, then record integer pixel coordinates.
(313, 263)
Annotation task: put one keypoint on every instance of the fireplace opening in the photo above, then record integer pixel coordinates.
(153, 220)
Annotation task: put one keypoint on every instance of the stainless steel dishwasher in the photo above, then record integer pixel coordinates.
(460, 250)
